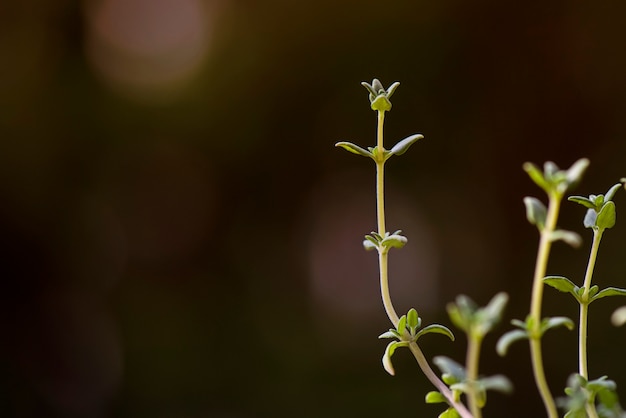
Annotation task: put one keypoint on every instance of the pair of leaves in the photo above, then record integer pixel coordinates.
(528, 329)
(600, 209)
(583, 394)
(408, 331)
(476, 321)
(555, 181)
(563, 284)
(375, 241)
(536, 214)
(379, 97)
(372, 152)
(455, 376)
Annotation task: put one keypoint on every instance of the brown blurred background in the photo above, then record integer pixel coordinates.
(180, 239)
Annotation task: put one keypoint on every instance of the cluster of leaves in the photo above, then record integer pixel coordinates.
(384, 243)
(476, 322)
(408, 331)
(598, 395)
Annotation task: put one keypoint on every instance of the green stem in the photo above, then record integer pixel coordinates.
(384, 278)
(543, 253)
(584, 306)
(384, 287)
(471, 367)
(441, 387)
(591, 410)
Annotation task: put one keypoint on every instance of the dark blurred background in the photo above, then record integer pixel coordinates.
(180, 238)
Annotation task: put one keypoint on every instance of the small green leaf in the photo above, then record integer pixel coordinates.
(576, 171)
(557, 321)
(452, 372)
(412, 320)
(581, 200)
(392, 333)
(535, 212)
(369, 245)
(355, 149)
(435, 397)
(402, 146)
(619, 316)
(458, 319)
(449, 413)
(495, 307)
(609, 195)
(396, 241)
(593, 291)
(435, 329)
(590, 218)
(498, 383)
(562, 284)
(401, 328)
(392, 89)
(508, 338)
(609, 291)
(606, 216)
(537, 176)
(391, 348)
(602, 383)
(569, 237)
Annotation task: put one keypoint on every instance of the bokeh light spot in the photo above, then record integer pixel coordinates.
(147, 49)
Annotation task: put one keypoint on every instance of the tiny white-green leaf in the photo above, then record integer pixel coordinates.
(499, 383)
(557, 321)
(396, 241)
(449, 413)
(402, 146)
(353, 148)
(609, 195)
(392, 89)
(569, 237)
(435, 397)
(562, 284)
(581, 200)
(509, 338)
(609, 291)
(401, 328)
(369, 245)
(536, 212)
(576, 171)
(456, 372)
(537, 176)
(606, 216)
(435, 329)
(590, 218)
(412, 319)
(391, 348)
(392, 333)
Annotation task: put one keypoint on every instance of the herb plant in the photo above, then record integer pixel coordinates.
(461, 387)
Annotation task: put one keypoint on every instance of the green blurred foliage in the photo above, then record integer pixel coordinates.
(156, 252)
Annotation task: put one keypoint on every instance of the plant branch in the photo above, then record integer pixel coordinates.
(543, 253)
(441, 387)
(471, 367)
(584, 306)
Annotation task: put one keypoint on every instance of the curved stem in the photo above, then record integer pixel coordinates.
(384, 278)
(584, 307)
(441, 387)
(384, 288)
(545, 244)
(471, 367)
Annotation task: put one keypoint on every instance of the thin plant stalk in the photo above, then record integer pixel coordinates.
(584, 307)
(471, 366)
(543, 253)
(584, 313)
(384, 279)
